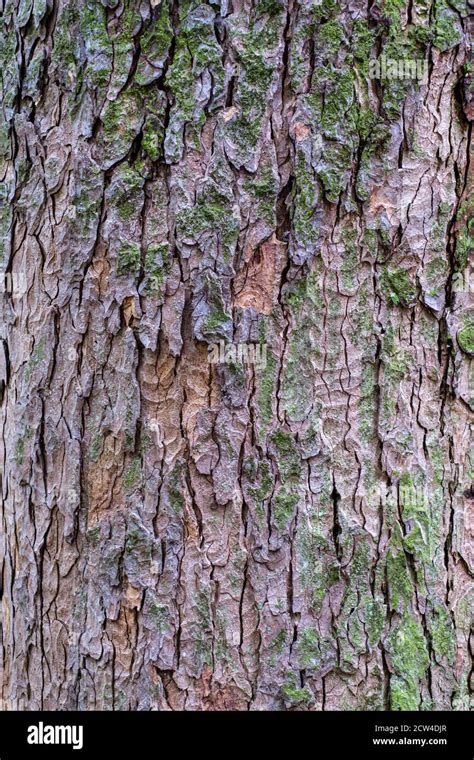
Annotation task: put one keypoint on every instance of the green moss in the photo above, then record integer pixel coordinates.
(132, 474)
(212, 214)
(129, 441)
(127, 192)
(316, 577)
(312, 649)
(266, 384)
(409, 655)
(180, 80)
(201, 41)
(276, 647)
(397, 287)
(443, 635)
(446, 32)
(332, 173)
(119, 118)
(288, 459)
(403, 696)
(306, 304)
(338, 99)
(262, 474)
(264, 189)
(134, 539)
(350, 259)
(157, 266)
(176, 497)
(111, 119)
(293, 693)
(400, 587)
(298, 59)
(323, 9)
(65, 53)
(271, 7)
(465, 339)
(465, 235)
(152, 138)
(19, 451)
(96, 447)
(129, 259)
(371, 129)
(93, 27)
(401, 44)
(87, 190)
(36, 357)
(256, 72)
(304, 295)
(331, 35)
(391, 10)
(128, 26)
(367, 402)
(396, 361)
(215, 321)
(304, 201)
(146, 443)
(93, 535)
(202, 644)
(283, 507)
(363, 39)
(160, 617)
(435, 272)
(375, 613)
(196, 49)
(360, 562)
(155, 43)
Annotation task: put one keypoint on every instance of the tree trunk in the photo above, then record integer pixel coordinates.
(237, 338)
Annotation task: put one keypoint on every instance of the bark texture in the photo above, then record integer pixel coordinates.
(182, 535)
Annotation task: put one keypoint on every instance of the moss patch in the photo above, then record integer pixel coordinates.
(410, 660)
(466, 339)
(128, 260)
(398, 287)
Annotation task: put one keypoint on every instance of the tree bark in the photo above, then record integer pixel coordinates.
(289, 533)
